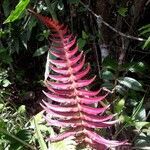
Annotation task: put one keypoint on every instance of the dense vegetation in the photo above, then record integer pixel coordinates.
(113, 34)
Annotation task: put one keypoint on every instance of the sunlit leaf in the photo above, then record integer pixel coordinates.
(142, 124)
(119, 105)
(126, 119)
(6, 83)
(66, 144)
(21, 109)
(15, 14)
(40, 137)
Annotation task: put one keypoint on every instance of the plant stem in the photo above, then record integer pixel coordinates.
(17, 139)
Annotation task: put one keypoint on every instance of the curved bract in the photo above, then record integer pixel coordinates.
(70, 101)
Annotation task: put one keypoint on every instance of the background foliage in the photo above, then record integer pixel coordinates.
(122, 65)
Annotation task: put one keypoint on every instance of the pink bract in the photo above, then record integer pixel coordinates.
(70, 99)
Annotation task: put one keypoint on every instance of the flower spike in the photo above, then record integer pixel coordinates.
(70, 100)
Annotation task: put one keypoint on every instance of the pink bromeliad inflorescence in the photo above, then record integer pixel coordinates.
(70, 102)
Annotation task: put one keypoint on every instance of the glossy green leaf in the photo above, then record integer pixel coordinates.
(143, 141)
(137, 67)
(15, 14)
(107, 75)
(131, 83)
(141, 116)
(120, 89)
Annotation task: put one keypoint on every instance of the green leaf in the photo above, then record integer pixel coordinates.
(1, 107)
(24, 135)
(145, 27)
(6, 7)
(107, 75)
(5, 83)
(6, 58)
(40, 51)
(145, 31)
(120, 89)
(122, 11)
(141, 116)
(131, 83)
(126, 119)
(140, 125)
(51, 8)
(3, 124)
(22, 109)
(137, 109)
(110, 63)
(84, 35)
(137, 67)
(39, 119)
(13, 137)
(15, 14)
(119, 105)
(81, 43)
(3, 50)
(66, 144)
(147, 43)
(40, 137)
(41, 126)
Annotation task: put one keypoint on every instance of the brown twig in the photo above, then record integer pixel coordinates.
(109, 26)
